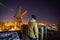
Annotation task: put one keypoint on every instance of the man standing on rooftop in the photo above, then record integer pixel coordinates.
(32, 28)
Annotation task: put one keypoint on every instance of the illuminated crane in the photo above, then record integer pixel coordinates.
(19, 17)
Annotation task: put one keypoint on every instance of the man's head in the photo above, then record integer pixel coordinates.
(34, 17)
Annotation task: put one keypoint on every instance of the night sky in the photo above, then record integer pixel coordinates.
(46, 11)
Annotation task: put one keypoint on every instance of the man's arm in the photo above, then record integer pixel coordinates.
(36, 30)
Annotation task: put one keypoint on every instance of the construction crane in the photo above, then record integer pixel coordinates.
(19, 17)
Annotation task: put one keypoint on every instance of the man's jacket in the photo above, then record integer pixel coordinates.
(33, 29)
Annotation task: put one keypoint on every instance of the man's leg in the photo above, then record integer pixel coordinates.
(32, 38)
